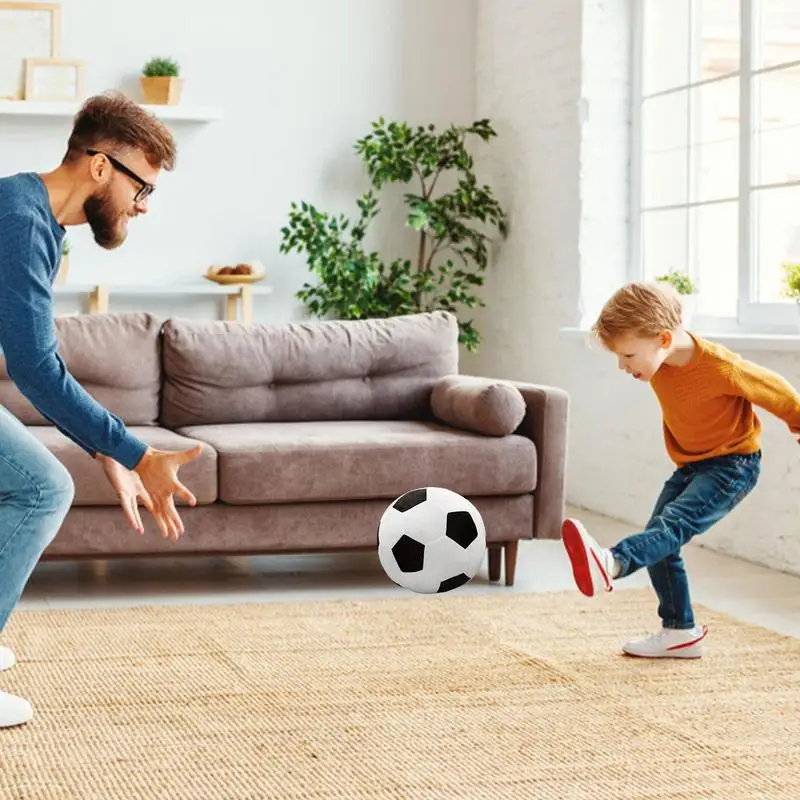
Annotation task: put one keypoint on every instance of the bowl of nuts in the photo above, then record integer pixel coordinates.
(245, 272)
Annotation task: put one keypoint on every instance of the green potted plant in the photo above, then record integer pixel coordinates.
(685, 287)
(791, 281)
(453, 227)
(161, 81)
(63, 267)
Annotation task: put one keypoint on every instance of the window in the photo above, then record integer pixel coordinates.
(716, 162)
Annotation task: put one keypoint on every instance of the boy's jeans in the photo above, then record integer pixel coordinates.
(36, 492)
(694, 498)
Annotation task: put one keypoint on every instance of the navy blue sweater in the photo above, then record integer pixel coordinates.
(30, 252)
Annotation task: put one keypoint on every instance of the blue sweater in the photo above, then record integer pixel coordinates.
(30, 252)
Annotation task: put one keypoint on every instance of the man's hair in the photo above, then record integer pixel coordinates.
(112, 120)
(639, 308)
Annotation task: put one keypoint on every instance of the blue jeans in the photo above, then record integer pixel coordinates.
(694, 498)
(36, 492)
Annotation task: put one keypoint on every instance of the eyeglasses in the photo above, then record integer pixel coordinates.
(146, 189)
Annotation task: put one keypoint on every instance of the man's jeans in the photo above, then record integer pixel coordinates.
(36, 492)
(692, 500)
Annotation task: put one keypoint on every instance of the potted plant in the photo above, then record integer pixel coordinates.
(452, 231)
(685, 287)
(161, 82)
(63, 267)
(791, 281)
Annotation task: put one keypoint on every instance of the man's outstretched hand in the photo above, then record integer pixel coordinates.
(129, 488)
(158, 473)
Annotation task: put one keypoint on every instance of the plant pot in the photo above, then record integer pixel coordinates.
(689, 308)
(63, 269)
(161, 91)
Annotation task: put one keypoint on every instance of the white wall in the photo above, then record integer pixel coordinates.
(562, 165)
(298, 82)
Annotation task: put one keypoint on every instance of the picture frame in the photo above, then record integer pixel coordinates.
(54, 79)
(27, 30)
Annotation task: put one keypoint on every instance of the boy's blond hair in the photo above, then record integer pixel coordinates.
(639, 308)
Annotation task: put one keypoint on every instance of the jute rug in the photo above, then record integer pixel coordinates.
(497, 696)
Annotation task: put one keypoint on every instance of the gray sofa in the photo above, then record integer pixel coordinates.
(310, 431)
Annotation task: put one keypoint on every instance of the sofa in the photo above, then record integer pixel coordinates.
(309, 431)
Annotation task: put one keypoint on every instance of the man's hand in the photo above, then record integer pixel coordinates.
(158, 471)
(129, 489)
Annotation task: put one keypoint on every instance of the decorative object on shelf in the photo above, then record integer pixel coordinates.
(453, 249)
(245, 272)
(161, 82)
(63, 268)
(54, 79)
(27, 30)
(791, 282)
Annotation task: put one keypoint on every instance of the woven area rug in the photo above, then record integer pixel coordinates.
(490, 696)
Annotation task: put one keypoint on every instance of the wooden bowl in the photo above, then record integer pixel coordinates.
(227, 280)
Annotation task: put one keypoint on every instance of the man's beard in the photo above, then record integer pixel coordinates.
(104, 220)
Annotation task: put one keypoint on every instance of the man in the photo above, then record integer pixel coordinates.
(113, 159)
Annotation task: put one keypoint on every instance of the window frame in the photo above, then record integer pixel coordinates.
(752, 317)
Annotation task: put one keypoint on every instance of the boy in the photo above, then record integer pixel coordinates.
(713, 436)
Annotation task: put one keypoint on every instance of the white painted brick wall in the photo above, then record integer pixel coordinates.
(565, 183)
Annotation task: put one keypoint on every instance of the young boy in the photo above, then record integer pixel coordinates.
(713, 436)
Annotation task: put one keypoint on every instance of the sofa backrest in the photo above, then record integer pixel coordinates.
(116, 358)
(222, 372)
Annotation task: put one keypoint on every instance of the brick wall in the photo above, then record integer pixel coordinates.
(553, 77)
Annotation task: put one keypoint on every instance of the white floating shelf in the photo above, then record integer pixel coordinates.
(32, 108)
(69, 289)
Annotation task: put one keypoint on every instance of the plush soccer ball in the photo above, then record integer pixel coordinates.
(431, 540)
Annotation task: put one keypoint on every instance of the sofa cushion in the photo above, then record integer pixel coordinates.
(93, 489)
(482, 405)
(116, 358)
(272, 462)
(218, 371)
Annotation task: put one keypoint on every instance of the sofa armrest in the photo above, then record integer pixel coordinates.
(545, 423)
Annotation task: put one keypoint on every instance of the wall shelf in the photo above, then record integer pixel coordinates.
(31, 108)
(239, 296)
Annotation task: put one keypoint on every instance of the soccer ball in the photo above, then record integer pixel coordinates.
(431, 540)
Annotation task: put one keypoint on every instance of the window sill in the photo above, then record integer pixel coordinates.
(732, 340)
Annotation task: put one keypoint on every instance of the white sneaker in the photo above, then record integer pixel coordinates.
(7, 658)
(14, 711)
(592, 565)
(669, 643)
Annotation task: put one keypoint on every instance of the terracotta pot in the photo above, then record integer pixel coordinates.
(161, 91)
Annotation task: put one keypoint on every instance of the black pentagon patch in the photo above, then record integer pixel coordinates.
(453, 583)
(461, 528)
(410, 499)
(409, 554)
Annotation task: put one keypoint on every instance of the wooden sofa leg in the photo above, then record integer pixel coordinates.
(495, 552)
(510, 550)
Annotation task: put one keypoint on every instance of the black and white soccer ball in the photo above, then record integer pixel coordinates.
(431, 540)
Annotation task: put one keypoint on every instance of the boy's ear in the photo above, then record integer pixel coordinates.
(665, 339)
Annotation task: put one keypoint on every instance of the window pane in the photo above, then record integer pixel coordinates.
(665, 45)
(665, 153)
(777, 113)
(715, 258)
(665, 241)
(778, 26)
(776, 238)
(715, 140)
(720, 37)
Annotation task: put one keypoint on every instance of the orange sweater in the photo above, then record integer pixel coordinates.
(707, 404)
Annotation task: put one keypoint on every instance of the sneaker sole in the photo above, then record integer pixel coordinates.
(578, 556)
